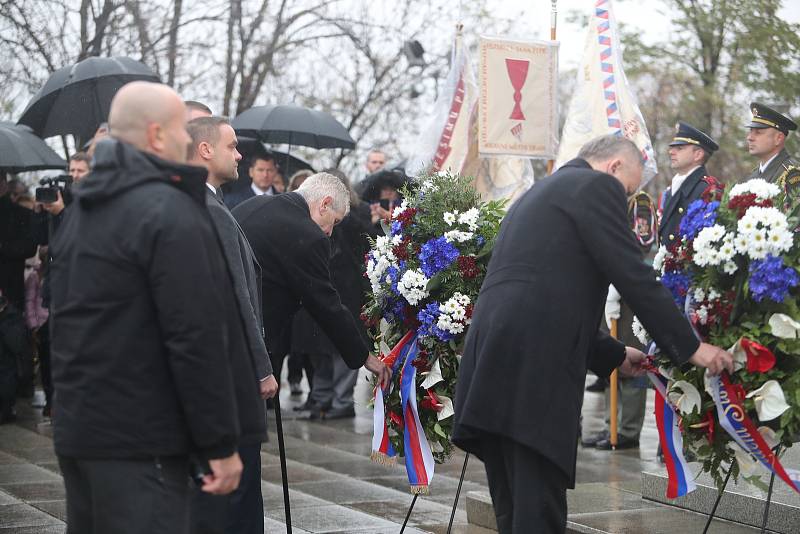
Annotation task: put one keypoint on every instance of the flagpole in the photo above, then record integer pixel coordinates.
(553, 23)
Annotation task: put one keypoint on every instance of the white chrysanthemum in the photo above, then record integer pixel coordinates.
(713, 294)
(705, 245)
(457, 236)
(639, 331)
(412, 286)
(376, 267)
(702, 314)
(383, 247)
(470, 218)
(762, 189)
(699, 295)
(400, 209)
(450, 217)
(453, 314)
(661, 256)
(763, 231)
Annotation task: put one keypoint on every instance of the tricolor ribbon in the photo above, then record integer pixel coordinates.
(680, 479)
(734, 419)
(417, 452)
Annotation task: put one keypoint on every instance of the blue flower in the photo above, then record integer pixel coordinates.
(436, 255)
(480, 240)
(428, 317)
(394, 310)
(699, 215)
(678, 283)
(397, 228)
(394, 274)
(770, 278)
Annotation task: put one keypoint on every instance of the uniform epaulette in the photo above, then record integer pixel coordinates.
(790, 176)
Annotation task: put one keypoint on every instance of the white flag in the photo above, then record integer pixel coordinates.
(444, 143)
(603, 102)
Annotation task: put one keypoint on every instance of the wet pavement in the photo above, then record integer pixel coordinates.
(334, 487)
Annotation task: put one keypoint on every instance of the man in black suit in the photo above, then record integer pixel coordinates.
(263, 172)
(242, 512)
(535, 331)
(689, 151)
(290, 236)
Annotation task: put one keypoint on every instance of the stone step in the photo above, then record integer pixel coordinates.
(741, 503)
(609, 509)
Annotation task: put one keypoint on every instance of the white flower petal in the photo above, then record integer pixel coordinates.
(448, 410)
(784, 326)
(687, 398)
(770, 400)
(739, 355)
(434, 376)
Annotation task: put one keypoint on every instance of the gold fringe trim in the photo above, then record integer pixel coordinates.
(419, 490)
(380, 458)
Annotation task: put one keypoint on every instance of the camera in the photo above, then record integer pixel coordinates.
(48, 192)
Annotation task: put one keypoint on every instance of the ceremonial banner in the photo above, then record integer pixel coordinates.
(444, 143)
(603, 102)
(517, 112)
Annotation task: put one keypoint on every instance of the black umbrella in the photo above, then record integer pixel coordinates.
(76, 99)
(22, 151)
(293, 125)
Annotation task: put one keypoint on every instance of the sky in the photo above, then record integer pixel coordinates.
(632, 13)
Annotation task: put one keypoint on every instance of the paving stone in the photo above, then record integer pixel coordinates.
(20, 473)
(333, 518)
(424, 513)
(661, 520)
(598, 497)
(276, 527)
(15, 438)
(297, 473)
(345, 490)
(6, 498)
(359, 468)
(273, 498)
(6, 458)
(50, 529)
(459, 529)
(42, 491)
(24, 515)
(38, 455)
(55, 508)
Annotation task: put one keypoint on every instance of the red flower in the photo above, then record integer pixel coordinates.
(468, 267)
(714, 189)
(431, 402)
(410, 320)
(396, 419)
(406, 216)
(400, 250)
(741, 203)
(759, 358)
(468, 311)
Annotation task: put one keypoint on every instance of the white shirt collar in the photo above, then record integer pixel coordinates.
(678, 179)
(259, 192)
(211, 187)
(762, 166)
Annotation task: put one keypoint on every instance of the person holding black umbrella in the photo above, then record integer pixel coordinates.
(143, 381)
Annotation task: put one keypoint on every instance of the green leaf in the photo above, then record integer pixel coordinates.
(438, 429)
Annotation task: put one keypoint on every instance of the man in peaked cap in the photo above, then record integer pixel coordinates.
(766, 140)
(689, 151)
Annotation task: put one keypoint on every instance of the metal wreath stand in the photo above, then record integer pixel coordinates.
(455, 501)
(777, 451)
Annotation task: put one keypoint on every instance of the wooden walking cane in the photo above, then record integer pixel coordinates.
(612, 415)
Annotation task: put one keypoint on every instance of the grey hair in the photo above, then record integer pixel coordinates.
(323, 184)
(606, 147)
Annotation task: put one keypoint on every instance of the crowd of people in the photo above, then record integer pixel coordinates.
(157, 311)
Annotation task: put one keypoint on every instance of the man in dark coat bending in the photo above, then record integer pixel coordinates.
(535, 332)
(290, 234)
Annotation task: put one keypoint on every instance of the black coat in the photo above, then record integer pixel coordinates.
(674, 205)
(535, 326)
(140, 368)
(349, 245)
(16, 245)
(294, 254)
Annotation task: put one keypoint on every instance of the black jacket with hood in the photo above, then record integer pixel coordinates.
(140, 360)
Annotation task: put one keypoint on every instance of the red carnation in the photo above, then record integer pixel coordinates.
(400, 250)
(468, 267)
(741, 203)
(406, 216)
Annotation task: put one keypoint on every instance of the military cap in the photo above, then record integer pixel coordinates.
(765, 117)
(686, 134)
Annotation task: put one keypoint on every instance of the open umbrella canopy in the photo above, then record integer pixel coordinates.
(21, 151)
(76, 99)
(293, 125)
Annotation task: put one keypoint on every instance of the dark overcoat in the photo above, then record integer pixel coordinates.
(675, 204)
(535, 327)
(294, 254)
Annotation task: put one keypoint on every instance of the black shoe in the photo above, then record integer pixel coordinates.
(598, 386)
(623, 442)
(593, 440)
(46, 411)
(306, 406)
(315, 414)
(340, 413)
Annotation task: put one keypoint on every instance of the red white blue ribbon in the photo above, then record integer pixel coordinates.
(416, 449)
(680, 479)
(734, 419)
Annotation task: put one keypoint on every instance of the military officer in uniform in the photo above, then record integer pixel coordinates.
(766, 140)
(689, 151)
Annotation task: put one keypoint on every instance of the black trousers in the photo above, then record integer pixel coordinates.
(528, 491)
(127, 496)
(241, 512)
(43, 339)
